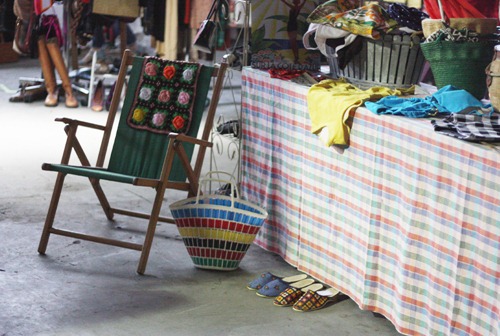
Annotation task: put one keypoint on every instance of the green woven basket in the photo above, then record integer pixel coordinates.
(461, 64)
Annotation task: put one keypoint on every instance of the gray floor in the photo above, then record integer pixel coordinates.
(81, 288)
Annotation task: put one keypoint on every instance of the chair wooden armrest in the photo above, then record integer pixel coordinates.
(72, 140)
(72, 122)
(187, 138)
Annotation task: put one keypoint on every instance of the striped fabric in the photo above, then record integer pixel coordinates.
(405, 221)
(470, 127)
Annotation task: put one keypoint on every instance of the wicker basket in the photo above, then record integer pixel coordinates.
(493, 79)
(217, 230)
(461, 64)
(394, 61)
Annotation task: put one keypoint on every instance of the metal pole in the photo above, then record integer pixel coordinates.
(246, 33)
(66, 24)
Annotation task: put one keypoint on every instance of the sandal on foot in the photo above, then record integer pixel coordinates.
(291, 295)
(312, 301)
(268, 277)
(274, 288)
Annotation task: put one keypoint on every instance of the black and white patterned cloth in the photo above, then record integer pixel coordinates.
(470, 127)
(407, 16)
(453, 35)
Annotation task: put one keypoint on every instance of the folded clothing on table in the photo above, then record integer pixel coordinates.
(470, 127)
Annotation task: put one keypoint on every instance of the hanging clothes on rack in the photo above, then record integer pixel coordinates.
(173, 24)
(153, 19)
(184, 33)
(463, 8)
(160, 20)
(168, 47)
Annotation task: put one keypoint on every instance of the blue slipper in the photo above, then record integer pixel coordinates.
(267, 277)
(274, 288)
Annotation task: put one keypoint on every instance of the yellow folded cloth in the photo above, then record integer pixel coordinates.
(330, 102)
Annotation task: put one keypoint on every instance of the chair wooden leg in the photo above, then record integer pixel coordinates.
(51, 213)
(94, 182)
(153, 221)
(102, 198)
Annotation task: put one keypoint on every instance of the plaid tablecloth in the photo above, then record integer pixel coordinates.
(405, 221)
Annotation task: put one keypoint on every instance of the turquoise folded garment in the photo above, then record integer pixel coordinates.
(448, 99)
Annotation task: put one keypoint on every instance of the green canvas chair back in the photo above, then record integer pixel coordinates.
(141, 153)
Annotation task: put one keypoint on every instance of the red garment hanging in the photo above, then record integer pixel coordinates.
(463, 8)
(187, 12)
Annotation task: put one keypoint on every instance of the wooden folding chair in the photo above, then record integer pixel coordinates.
(145, 151)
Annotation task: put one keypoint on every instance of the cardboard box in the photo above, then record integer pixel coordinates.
(122, 8)
(7, 54)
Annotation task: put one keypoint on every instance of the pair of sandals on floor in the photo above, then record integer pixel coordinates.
(298, 291)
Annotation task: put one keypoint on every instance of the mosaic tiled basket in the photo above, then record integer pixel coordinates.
(217, 230)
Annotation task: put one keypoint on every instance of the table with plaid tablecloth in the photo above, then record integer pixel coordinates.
(405, 221)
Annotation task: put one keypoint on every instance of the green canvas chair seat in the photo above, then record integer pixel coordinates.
(138, 157)
(93, 172)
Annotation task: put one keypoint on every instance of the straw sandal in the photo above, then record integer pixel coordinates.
(267, 277)
(291, 295)
(274, 288)
(312, 301)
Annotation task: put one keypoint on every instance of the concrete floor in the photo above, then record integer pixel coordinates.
(82, 288)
